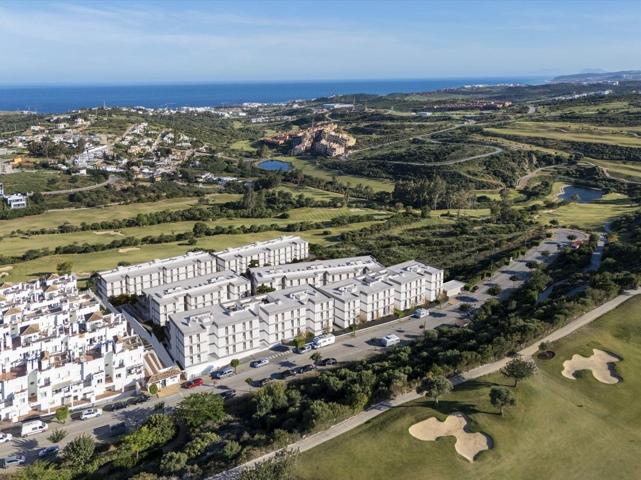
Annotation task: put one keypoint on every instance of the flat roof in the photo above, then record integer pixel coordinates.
(317, 266)
(252, 248)
(156, 265)
(215, 281)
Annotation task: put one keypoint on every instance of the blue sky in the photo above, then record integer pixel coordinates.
(89, 42)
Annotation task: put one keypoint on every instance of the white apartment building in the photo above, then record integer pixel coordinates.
(347, 303)
(194, 294)
(282, 316)
(16, 201)
(416, 283)
(286, 249)
(200, 338)
(317, 273)
(319, 307)
(57, 348)
(134, 279)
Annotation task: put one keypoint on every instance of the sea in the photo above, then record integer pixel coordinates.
(63, 98)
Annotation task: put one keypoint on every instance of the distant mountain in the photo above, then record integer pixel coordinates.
(598, 77)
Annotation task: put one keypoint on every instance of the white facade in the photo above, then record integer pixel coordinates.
(57, 348)
(317, 273)
(134, 279)
(416, 283)
(194, 294)
(281, 250)
(16, 201)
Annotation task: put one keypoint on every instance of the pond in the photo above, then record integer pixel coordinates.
(580, 194)
(274, 165)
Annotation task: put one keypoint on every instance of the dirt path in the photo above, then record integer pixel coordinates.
(110, 180)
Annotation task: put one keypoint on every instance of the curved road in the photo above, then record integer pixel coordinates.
(110, 180)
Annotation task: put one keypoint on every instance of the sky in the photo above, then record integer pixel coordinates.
(166, 41)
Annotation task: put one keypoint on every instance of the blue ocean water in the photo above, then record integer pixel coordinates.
(56, 99)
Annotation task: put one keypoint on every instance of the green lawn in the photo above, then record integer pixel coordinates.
(42, 181)
(560, 429)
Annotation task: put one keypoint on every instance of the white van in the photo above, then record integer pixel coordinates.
(323, 340)
(389, 340)
(33, 427)
(421, 313)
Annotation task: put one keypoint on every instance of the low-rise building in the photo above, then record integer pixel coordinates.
(317, 273)
(134, 279)
(286, 249)
(15, 201)
(416, 283)
(194, 293)
(57, 348)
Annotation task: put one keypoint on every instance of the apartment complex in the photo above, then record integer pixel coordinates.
(317, 273)
(194, 294)
(134, 279)
(209, 337)
(57, 348)
(286, 249)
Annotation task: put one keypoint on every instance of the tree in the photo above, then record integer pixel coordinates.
(79, 451)
(279, 467)
(153, 389)
(501, 397)
(231, 450)
(173, 462)
(235, 363)
(64, 268)
(200, 408)
(62, 414)
(40, 470)
(264, 289)
(434, 387)
(519, 369)
(57, 435)
(316, 356)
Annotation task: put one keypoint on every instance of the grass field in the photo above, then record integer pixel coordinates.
(84, 264)
(627, 171)
(89, 215)
(560, 429)
(310, 169)
(42, 181)
(12, 246)
(627, 137)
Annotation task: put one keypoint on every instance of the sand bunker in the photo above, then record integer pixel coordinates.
(4, 274)
(109, 232)
(6, 269)
(599, 362)
(129, 249)
(467, 444)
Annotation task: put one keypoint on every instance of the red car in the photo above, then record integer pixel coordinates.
(196, 382)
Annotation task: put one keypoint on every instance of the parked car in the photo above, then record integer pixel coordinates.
(264, 381)
(90, 413)
(141, 398)
(261, 362)
(118, 429)
(13, 460)
(297, 370)
(389, 340)
(227, 394)
(308, 368)
(48, 451)
(5, 437)
(115, 406)
(304, 349)
(325, 362)
(196, 382)
(287, 373)
(421, 313)
(33, 427)
(224, 373)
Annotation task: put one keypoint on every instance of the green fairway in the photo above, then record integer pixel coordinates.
(85, 263)
(560, 428)
(17, 245)
(309, 168)
(77, 216)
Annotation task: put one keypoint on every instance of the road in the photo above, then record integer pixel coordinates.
(109, 181)
(309, 442)
(348, 347)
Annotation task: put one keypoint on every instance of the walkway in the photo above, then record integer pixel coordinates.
(110, 180)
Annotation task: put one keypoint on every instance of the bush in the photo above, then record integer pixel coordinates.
(57, 435)
(173, 462)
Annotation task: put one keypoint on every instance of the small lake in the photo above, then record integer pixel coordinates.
(274, 165)
(583, 194)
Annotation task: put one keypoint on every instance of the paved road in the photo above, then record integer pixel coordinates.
(346, 348)
(314, 440)
(110, 180)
